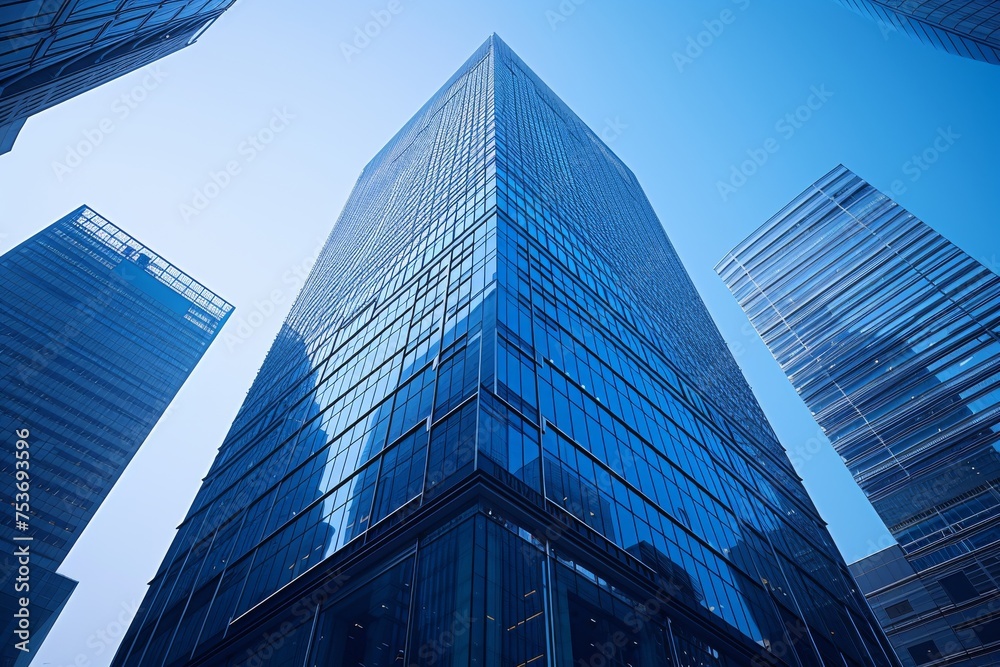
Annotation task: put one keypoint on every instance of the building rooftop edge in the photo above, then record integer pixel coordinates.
(117, 239)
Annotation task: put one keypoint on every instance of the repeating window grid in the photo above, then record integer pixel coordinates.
(903, 377)
(262, 571)
(432, 209)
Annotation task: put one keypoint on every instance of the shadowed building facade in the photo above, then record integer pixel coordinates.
(891, 336)
(499, 428)
(97, 335)
(968, 28)
(52, 50)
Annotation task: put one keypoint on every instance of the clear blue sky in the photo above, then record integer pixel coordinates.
(680, 127)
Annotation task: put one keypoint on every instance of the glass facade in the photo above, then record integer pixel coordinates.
(969, 28)
(52, 50)
(891, 336)
(499, 428)
(97, 335)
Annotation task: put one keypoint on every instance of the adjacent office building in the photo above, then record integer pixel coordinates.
(499, 428)
(891, 336)
(97, 335)
(969, 28)
(52, 50)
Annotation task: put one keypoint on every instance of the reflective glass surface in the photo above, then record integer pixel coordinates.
(969, 28)
(500, 370)
(52, 50)
(891, 335)
(97, 335)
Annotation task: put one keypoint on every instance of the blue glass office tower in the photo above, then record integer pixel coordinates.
(499, 428)
(969, 28)
(97, 335)
(52, 50)
(891, 336)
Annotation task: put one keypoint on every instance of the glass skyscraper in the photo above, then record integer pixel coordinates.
(969, 28)
(52, 50)
(97, 335)
(499, 428)
(891, 336)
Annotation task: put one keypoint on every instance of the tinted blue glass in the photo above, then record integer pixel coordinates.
(968, 28)
(500, 367)
(891, 336)
(53, 50)
(97, 335)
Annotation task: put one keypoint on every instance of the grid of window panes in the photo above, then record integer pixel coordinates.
(333, 435)
(453, 326)
(604, 342)
(969, 28)
(94, 346)
(51, 50)
(891, 335)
